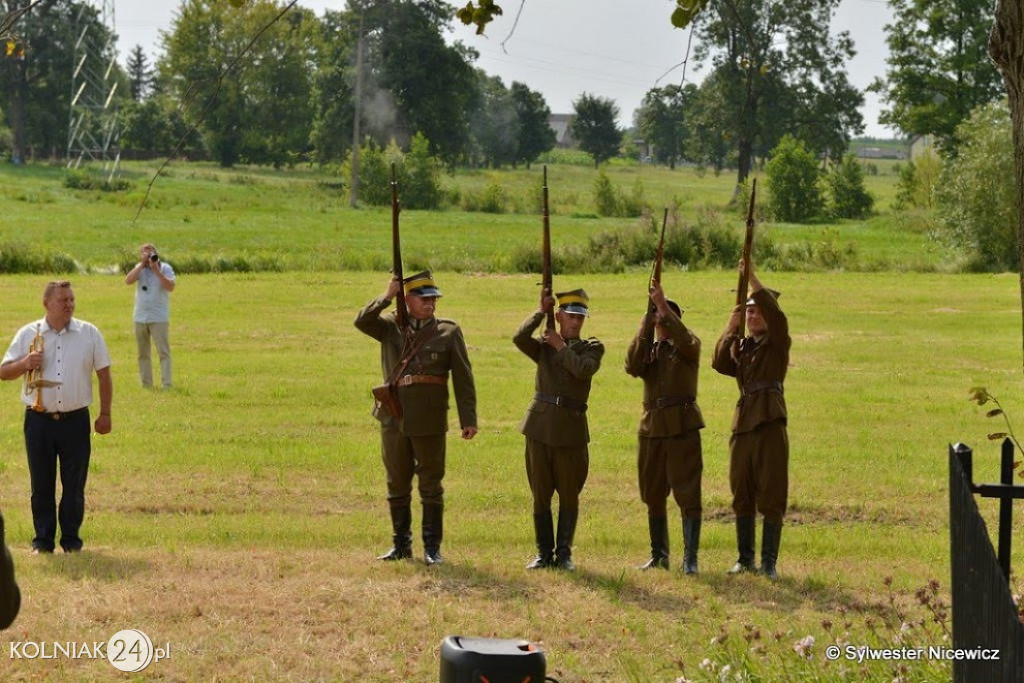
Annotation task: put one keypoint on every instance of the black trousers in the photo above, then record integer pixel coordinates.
(49, 443)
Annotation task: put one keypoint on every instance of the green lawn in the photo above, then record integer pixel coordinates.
(236, 516)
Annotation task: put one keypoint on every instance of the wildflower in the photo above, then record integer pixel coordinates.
(682, 679)
(803, 646)
(724, 673)
(708, 665)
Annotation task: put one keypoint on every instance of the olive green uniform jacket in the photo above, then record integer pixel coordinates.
(669, 377)
(425, 406)
(566, 373)
(760, 369)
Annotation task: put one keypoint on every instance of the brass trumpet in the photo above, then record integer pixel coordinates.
(34, 378)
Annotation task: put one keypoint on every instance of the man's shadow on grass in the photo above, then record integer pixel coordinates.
(94, 564)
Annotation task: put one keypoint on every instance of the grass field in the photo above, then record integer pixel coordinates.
(236, 517)
(300, 219)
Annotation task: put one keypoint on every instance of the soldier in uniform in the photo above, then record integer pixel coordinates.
(555, 426)
(428, 349)
(759, 445)
(669, 455)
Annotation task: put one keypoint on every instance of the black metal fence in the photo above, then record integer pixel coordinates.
(985, 618)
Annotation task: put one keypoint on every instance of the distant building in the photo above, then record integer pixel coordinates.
(868, 152)
(921, 145)
(560, 124)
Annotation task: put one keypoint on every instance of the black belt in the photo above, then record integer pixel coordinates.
(563, 401)
(57, 417)
(666, 401)
(768, 385)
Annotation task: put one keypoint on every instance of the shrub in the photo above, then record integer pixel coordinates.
(491, 199)
(976, 193)
(611, 202)
(78, 179)
(418, 174)
(916, 183)
(794, 192)
(850, 199)
(17, 258)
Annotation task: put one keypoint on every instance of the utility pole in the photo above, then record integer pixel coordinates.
(353, 190)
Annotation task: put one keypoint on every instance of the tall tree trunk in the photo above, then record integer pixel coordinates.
(1006, 46)
(17, 110)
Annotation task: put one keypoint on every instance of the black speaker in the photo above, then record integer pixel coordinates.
(491, 660)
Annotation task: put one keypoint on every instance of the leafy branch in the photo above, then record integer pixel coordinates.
(981, 396)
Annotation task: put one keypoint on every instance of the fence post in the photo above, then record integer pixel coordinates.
(1005, 508)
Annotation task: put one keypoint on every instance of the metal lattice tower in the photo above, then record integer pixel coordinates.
(93, 126)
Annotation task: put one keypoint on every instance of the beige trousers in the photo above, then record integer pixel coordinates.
(160, 335)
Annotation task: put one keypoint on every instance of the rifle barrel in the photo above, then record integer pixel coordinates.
(546, 279)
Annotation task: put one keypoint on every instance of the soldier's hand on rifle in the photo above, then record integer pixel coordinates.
(658, 298)
(547, 302)
(394, 286)
(737, 315)
(553, 339)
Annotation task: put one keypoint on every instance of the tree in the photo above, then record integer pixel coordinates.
(333, 86)
(593, 125)
(938, 66)
(432, 84)
(779, 52)
(140, 75)
(975, 201)
(1006, 45)
(535, 133)
(661, 119)
(495, 126)
(257, 109)
(708, 131)
(794, 195)
(36, 77)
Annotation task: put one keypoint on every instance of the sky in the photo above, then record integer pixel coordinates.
(618, 49)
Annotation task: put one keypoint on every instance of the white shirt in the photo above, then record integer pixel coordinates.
(152, 301)
(69, 357)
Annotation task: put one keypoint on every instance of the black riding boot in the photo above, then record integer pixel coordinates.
(544, 533)
(658, 527)
(771, 535)
(433, 531)
(745, 544)
(401, 539)
(691, 544)
(563, 541)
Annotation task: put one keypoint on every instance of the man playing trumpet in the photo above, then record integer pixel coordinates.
(65, 351)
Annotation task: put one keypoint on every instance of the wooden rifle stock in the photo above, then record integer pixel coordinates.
(401, 312)
(748, 243)
(546, 285)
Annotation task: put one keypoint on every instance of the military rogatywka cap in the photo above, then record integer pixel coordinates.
(421, 284)
(575, 302)
(774, 292)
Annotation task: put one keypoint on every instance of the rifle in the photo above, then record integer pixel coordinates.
(546, 254)
(401, 312)
(748, 243)
(659, 256)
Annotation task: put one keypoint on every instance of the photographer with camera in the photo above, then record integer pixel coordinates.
(154, 282)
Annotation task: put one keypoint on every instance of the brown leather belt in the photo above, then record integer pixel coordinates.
(562, 401)
(767, 385)
(666, 401)
(57, 417)
(421, 379)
